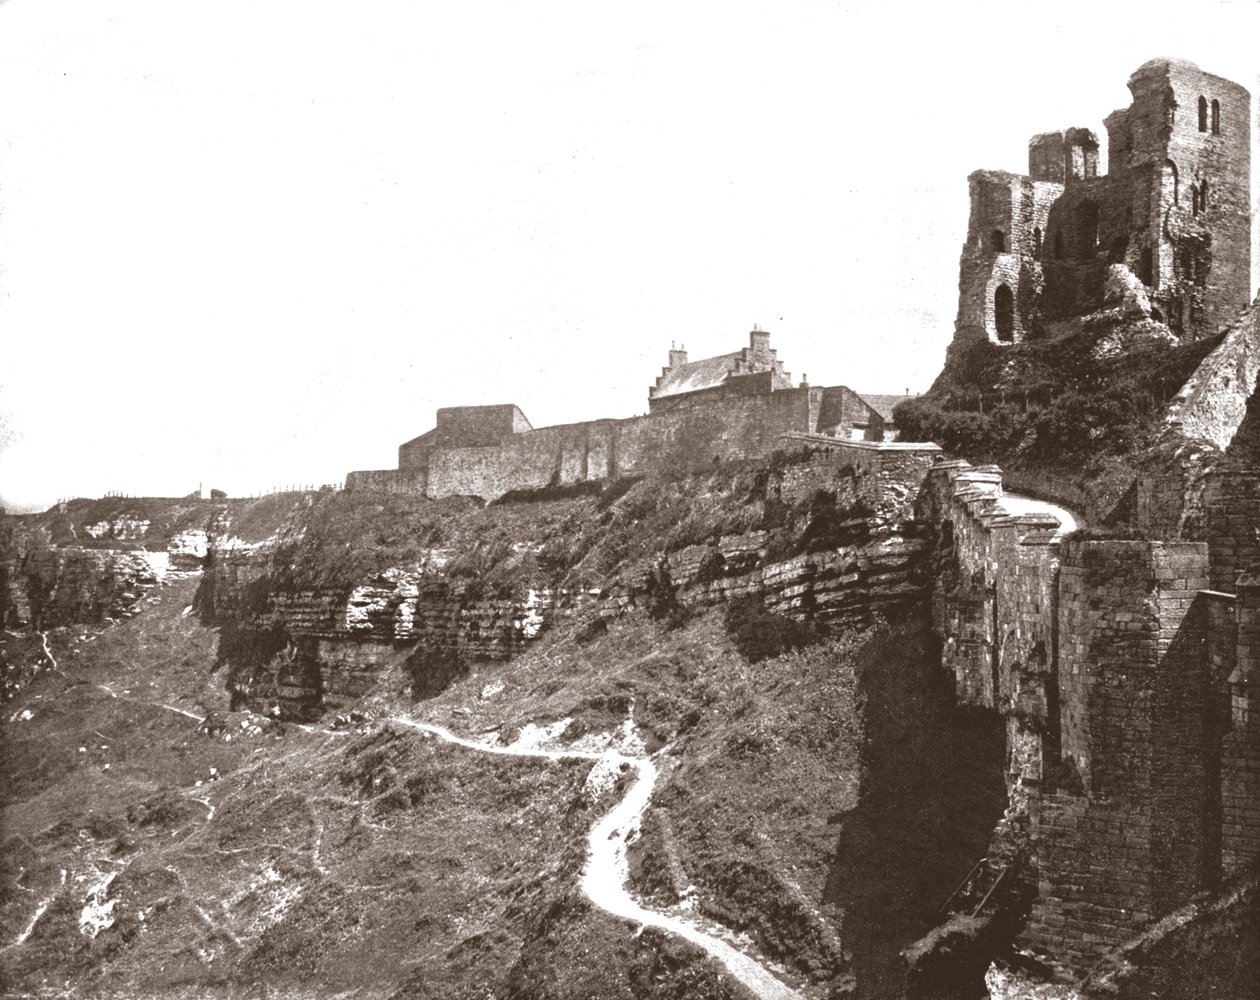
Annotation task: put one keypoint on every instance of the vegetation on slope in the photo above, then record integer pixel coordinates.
(1066, 417)
(246, 853)
(575, 539)
(379, 862)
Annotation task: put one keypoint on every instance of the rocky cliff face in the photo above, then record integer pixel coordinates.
(90, 561)
(315, 613)
(44, 587)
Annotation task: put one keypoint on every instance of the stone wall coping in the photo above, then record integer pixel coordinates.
(978, 476)
(922, 447)
(1046, 518)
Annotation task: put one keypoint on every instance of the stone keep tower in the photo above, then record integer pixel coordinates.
(1174, 209)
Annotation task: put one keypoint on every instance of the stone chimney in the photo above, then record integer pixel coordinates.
(677, 356)
(758, 341)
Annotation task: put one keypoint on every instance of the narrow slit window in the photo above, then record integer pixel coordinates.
(1216, 117)
(1203, 114)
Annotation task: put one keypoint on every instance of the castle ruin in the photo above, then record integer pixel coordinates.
(1126, 668)
(1174, 209)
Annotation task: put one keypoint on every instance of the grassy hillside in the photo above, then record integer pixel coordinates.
(1066, 417)
(312, 859)
(211, 852)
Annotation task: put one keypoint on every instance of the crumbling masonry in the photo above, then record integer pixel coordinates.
(1174, 209)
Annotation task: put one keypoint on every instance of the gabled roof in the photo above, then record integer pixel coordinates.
(695, 375)
(883, 404)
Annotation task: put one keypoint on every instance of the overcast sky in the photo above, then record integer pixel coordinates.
(248, 244)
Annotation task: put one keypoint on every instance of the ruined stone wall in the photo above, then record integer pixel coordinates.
(1174, 209)
(840, 410)
(1233, 520)
(1212, 403)
(1131, 740)
(1220, 159)
(890, 475)
(1086, 232)
(994, 605)
(1004, 242)
(749, 384)
(1026, 551)
(389, 480)
(1168, 495)
(1240, 750)
(1193, 485)
(1127, 830)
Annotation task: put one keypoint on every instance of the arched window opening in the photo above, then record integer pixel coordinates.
(1146, 267)
(1194, 198)
(1004, 313)
(1058, 246)
(1203, 195)
(1036, 241)
(1172, 185)
(1086, 230)
(997, 241)
(1119, 248)
(1203, 114)
(1216, 117)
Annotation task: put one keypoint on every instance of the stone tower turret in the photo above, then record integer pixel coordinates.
(1174, 209)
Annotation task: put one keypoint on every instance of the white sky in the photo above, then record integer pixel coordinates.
(249, 244)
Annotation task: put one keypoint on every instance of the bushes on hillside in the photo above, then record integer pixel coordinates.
(1054, 402)
(759, 633)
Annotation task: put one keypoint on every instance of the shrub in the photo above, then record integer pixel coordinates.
(759, 633)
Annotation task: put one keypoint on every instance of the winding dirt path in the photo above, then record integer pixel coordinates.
(152, 704)
(607, 868)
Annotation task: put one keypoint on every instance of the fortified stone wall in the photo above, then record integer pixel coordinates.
(1005, 237)
(1240, 766)
(1130, 830)
(1131, 736)
(691, 438)
(1192, 486)
(1233, 524)
(995, 600)
(389, 480)
(1212, 403)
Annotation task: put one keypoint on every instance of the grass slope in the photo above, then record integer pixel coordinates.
(254, 857)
